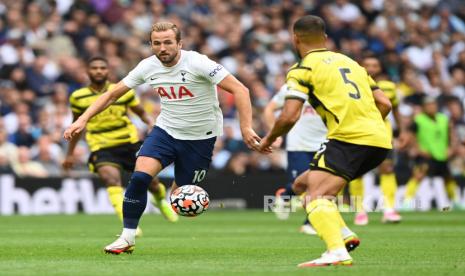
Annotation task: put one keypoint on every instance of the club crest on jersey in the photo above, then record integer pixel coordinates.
(183, 74)
(174, 93)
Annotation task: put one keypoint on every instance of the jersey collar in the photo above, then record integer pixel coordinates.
(105, 88)
(316, 50)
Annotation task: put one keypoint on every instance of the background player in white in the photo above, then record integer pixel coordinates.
(302, 142)
(187, 127)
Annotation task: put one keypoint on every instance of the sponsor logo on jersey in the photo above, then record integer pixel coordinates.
(174, 93)
(216, 70)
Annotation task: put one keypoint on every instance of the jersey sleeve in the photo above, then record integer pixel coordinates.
(135, 77)
(133, 99)
(75, 108)
(209, 69)
(298, 83)
(280, 97)
(372, 83)
(389, 89)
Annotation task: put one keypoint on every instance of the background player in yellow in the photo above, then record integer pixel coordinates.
(353, 109)
(387, 177)
(112, 138)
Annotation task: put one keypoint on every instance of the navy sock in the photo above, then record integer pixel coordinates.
(289, 191)
(135, 199)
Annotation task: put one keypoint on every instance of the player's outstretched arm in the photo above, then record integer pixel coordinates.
(382, 102)
(244, 107)
(69, 159)
(289, 116)
(98, 106)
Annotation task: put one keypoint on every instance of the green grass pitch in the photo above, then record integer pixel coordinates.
(227, 243)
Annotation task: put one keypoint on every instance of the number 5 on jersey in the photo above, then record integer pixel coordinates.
(344, 72)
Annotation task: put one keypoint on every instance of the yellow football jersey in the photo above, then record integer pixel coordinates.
(389, 89)
(340, 90)
(111, 127)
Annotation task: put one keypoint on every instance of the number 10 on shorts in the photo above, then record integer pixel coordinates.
(199, 176)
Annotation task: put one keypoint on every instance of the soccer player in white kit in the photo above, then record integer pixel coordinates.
(302, 142)
(187, 127)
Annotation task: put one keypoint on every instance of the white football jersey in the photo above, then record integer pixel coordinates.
(189, 103)
(309, 132)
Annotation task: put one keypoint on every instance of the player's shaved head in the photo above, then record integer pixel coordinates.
(310, 29)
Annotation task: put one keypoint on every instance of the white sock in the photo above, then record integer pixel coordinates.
(129, 234)
(346, 232)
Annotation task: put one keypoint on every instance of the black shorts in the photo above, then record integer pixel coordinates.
(390, 155)
(347, 160)
(433, 167)
(122, 157)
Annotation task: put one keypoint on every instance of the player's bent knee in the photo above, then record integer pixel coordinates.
(109, 175)
(386, 167)
(154, 185)
(148, 165)
(299, 187)
(111, 181)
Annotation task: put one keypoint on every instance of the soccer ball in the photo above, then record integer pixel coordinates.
(189, 200)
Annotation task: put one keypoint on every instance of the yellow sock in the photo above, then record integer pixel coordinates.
(342, 223)
(411, 189)
(451, 189)
(356, 193)
(388, 185)
(323, 215)
(161, 193)
(115, 194)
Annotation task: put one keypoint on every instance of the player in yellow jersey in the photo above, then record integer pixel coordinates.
(112, 138)
(353, 108)
(387, 177)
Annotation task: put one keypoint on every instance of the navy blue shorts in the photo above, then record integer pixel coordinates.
(191, 158)
(297, 163)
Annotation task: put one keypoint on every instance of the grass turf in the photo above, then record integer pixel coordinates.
(227, 242)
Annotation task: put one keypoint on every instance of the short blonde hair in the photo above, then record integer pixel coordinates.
(165, 26)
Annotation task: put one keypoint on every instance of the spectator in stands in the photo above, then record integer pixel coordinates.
(23, 136)
(25, 167)
(49, 154)
(8, 151)
(43, 46)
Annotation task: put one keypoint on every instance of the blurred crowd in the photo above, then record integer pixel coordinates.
(44, 45)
